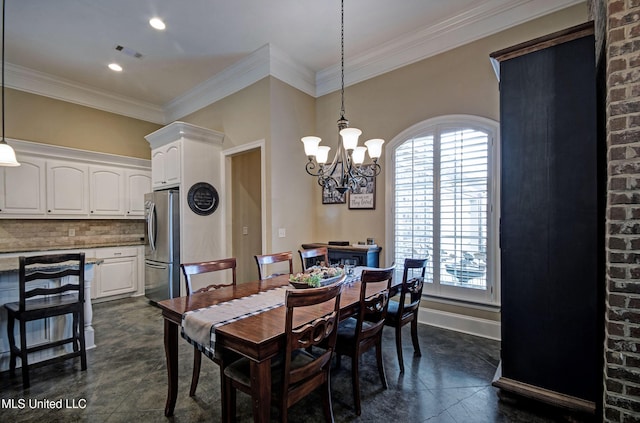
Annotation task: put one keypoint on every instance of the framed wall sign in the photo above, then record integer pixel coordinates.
(333, 197)
(203, 199)
(364, 196)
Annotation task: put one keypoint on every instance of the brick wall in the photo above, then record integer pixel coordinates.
(26, 234)
(618, 27)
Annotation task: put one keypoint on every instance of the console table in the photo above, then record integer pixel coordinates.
(365, 255)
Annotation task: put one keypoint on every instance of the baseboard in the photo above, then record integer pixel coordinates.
(540, 394)
(460, 323)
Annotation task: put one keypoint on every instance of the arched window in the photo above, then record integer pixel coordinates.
(444, 188)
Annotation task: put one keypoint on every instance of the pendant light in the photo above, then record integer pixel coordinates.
(7, 155)
(346, 171)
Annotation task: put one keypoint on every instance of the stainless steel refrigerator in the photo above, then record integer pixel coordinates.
(162, 249)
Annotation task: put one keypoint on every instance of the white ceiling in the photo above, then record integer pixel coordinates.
(212, 48)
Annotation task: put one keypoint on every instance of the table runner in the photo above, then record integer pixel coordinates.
(198, 326)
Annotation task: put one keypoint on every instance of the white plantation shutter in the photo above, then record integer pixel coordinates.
(463, 205)
(441, 193)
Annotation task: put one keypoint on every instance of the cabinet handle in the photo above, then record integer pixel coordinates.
(91, 211)
(117, 254)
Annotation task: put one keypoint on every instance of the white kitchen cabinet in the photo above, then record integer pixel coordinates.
(138, 183)
(107, 190)
(56, 182)
(22, 188)
(118, 272)
(67, 188)
(166, 165)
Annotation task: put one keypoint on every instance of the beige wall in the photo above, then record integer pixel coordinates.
(272, 111)
(460, 81)
(45, 120)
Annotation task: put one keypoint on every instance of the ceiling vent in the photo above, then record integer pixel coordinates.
(129, 51)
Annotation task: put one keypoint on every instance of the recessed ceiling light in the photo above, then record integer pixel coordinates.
(115, 67)
(157, 23)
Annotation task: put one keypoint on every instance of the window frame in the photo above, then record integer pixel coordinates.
(491, 295)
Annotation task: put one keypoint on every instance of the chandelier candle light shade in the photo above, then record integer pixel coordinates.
(7, 155)
(346, 170)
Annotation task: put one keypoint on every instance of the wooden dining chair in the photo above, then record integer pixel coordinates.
(42, 294)
(190, 271)
(268, 259)
(364, 331)
(405, 309)
(298, 371)
(311, 253)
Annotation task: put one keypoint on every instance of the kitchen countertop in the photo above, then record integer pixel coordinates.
(73, 247)
(12, 264)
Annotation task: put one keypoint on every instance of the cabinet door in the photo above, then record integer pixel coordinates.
(22, 188)
(106, 185)
(172, 164)
(165, 165)
(67, 188)
(158, 159)
(118, 273)
(138, 184)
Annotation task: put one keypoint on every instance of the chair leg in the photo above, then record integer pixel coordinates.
(12, 345)
(355, 380)
(398, 328)
(383, 377)
(197, 359)
(326, 402)
(82, 340)
(24, 361)
(414, 337)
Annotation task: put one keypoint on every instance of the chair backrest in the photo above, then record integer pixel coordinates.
(46, 267)
(374, 302)
(267, 259)
(302, 333)
(321, 252)
(411, 286)
(191, 269)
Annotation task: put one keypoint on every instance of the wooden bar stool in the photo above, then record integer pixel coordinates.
(44, 292)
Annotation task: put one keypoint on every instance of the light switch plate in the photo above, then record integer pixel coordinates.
(282, 232)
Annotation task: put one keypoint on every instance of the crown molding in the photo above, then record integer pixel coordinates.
(265, 61)
(55, 151)
(179, 130)
(31, 81)
(487, 18)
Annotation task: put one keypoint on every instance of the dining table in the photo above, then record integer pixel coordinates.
(258, 337)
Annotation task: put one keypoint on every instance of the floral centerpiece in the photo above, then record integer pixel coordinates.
(315, 276)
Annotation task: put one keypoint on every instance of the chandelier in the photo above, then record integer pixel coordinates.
(7, 155)
(346, 171)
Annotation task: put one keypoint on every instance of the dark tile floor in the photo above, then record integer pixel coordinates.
(126, 381)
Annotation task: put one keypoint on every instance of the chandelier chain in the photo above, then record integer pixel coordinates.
(342, 59)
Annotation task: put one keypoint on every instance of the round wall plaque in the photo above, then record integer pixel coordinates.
(203, 198)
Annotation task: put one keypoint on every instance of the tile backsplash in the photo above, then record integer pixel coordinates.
(36, 234)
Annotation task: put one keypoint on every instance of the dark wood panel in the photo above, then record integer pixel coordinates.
(549, 219)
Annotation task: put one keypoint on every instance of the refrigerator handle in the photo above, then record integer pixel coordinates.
(151, 226)
(156, 266)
